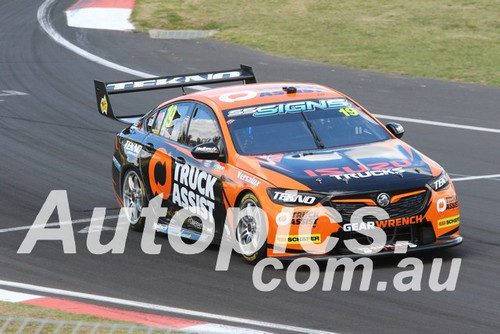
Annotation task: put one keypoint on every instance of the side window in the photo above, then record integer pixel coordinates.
(170, 122)
(203, 128)
(154, 123)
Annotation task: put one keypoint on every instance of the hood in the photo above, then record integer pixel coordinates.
(382, 166)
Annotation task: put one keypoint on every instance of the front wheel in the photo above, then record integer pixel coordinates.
(251, 229)
(134, 199)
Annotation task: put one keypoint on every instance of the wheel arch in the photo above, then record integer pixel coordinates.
(124, 171)
(242, 194)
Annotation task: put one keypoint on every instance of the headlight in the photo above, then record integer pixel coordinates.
(439, 183)
(293, 197)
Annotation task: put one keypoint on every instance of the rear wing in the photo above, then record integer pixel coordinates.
(103, 90)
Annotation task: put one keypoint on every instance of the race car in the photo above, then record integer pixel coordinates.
(303, 153)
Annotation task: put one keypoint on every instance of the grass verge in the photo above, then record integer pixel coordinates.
(17, 310)
(447, 39)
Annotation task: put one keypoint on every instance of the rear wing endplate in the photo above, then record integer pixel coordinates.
(103, 90)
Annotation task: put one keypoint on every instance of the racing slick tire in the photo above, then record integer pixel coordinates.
(247, 227)
(134, 198)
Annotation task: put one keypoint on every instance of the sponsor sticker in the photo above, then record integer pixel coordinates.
(248, 179)
(449, 222)
(132, 148)
(361, 170)
(441, 205)
(290, 107)
(104, 106)
(117, 164)
(399, 221)
(193, 189)
(447, 203)
(172, 80)
(171, 115)
(293, 197)
(238, 96)
(305, 217)
(283, 218)
(358, 226)
(392, 171)
(160, 173)
(217, 169)
(297, 239)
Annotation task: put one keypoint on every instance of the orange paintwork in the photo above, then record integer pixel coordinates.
(232, 97)
(396, 198)
(367, 201)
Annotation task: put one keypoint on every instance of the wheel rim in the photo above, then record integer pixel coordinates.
(246, 230)
(133, 197)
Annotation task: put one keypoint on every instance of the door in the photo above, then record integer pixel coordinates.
(202, 179)
(166, 127)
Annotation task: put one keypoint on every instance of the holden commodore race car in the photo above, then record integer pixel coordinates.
(305, 154)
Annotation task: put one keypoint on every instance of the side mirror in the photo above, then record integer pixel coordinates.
(206, 151)
(396, 129)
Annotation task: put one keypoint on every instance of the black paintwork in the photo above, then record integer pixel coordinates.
(320, 170)
(180, 155)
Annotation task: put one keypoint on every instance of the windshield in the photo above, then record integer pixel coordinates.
(301, 125)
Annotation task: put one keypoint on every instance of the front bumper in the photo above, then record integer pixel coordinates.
(442, 242)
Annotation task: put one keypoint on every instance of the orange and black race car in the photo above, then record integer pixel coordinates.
(304, 153)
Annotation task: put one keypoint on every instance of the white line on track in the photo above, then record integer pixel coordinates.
(479, 177)
(88, 220)
(44, 21)
(73, 222)
(156, 307)
(443, 124)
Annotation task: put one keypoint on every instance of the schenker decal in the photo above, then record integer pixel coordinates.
(193, 189)
(449, 222)
(297, 239)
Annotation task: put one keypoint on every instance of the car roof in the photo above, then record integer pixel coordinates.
(238, 96)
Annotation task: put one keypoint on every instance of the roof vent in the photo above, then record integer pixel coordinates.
(290, 90)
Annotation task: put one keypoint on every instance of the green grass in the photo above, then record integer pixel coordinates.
(446, 39)
(17, 310)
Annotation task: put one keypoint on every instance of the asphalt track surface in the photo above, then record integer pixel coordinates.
(53, 138)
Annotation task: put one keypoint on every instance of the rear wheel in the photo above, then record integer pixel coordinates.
(134, 199)
(250, 229)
